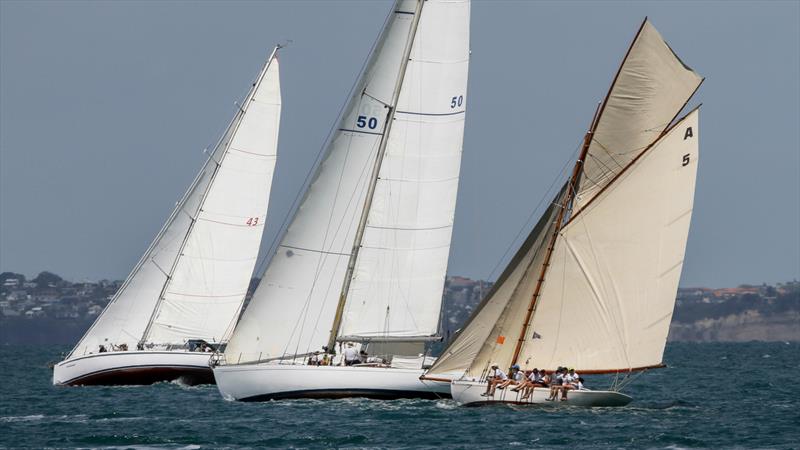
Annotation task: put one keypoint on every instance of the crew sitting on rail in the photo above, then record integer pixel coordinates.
(351, 355)
(535, 379)
(515, 377)
(571, 382)
(556, 381)
(496, 376)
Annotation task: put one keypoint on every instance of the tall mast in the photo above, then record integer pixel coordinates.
(193, 216)
(571, 191)
(362, 224)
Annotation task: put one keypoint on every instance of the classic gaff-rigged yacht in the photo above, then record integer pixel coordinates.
(593, 286)
(188, 288)
(364, 258)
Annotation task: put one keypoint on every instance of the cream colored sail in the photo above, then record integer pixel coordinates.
(651, 88)
(609, 294)
(407, 232)
(491, 332)
(191, 281)
(629, 253)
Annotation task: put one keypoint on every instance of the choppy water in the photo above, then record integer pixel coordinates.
(713, 395)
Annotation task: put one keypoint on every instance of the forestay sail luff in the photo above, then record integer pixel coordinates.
(643, 94)
(129, 313)
(486, 337)
(292, 308)
(295, 304)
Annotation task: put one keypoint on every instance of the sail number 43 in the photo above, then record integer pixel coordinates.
(252, 221)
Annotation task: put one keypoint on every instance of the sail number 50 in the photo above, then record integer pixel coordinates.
(456, 101)
(364, 121)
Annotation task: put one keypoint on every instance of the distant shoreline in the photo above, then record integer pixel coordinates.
(50, 310)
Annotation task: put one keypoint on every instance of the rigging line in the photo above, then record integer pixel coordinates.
(533, 212)
(412, 32)
(304, 186)
(353, 196)
(350, 224)
(233, 128)
(149, 252)
(608, 152)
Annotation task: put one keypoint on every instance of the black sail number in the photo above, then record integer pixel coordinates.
(686, 159)
(367, 122)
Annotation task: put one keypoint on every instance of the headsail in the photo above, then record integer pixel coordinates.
(292, 310)
(490, 333)
(191, 282)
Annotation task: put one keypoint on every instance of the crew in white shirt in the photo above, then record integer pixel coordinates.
(496, 376)
(350, 355)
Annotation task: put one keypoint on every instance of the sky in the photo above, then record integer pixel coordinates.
(106, 108)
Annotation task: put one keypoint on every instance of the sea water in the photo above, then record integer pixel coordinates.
(711, 395)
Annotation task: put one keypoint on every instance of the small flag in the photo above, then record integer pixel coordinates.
(501, 339)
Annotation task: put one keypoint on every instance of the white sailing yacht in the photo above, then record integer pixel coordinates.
(362, 263)
(593, 287)
(186, 292)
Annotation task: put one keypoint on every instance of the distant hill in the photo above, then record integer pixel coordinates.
(50, 310)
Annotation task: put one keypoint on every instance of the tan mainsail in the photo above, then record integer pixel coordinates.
(610, 290)
(604, 300)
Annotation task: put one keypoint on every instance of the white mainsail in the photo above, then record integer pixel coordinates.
(192, 280)
(405, 120)
(602, 300)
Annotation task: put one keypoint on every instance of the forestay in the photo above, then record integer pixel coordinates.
(491, 332)
(609, 294)
(293, 308)
(209, 243)
(651, 88)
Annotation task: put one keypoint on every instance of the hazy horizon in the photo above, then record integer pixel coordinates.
(105, 109)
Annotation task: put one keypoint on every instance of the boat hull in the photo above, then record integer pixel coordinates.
(134, 368)
(261, 382)
(468, 393)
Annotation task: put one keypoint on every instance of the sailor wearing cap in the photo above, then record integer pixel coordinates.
(496, 376)
(515, 377)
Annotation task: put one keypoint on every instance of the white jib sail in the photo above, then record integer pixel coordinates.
(211, 260)
(609, 294)
(396, 288)
(651, 88)
(292, 310)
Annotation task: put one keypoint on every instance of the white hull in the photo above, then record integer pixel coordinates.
(133, 367)
(261, 382)
(468, 393)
